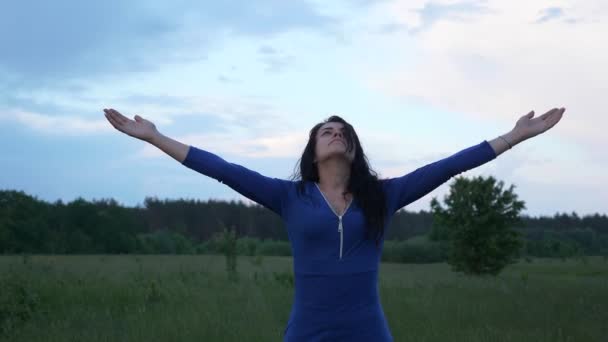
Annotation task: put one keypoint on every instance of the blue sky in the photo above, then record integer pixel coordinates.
(419, 80)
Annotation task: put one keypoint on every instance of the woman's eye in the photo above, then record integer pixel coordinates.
(326, 132)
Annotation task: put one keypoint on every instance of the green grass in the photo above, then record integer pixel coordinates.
(190, 298)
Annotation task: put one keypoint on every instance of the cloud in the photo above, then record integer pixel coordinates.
(58, 114)
(60, 125)
(433, 12)
(67, 40)
(274, 60)
(267, 50)
(276, 63)
(502, 65)
(226, 79)
(550, 13)
(50, 41)
(492, 66)
(69, 59)
(284, 145)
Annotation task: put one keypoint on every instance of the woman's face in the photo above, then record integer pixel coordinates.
(332, 143)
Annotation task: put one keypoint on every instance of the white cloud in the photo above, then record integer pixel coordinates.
(386, 151)
(502, 64)
(286, 145)
(492, 62)
(57, 125)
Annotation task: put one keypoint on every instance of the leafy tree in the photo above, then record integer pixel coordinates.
(477, 224)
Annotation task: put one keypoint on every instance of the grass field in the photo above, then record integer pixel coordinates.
(190, 298)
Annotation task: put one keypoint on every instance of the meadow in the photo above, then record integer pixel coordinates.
(192, 298)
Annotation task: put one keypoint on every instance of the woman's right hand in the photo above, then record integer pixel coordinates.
(139, 128)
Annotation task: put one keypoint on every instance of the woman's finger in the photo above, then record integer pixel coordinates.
(116, 119)
(557, 117)
(111, 120)
(547, 114)
(553, 119)
(119, 117)
(108, 116)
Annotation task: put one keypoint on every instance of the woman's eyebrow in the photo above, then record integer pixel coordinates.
(326, 128)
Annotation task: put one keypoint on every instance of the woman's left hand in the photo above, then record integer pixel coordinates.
(527, 127)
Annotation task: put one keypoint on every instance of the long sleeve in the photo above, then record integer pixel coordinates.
(406, 189)
(267, 191)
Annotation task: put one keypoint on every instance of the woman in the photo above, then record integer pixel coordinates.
(335, 215)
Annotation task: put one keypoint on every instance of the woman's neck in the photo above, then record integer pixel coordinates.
(334, 175)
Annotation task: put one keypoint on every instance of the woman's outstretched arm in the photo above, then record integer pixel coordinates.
(266, 191)
(408, 188)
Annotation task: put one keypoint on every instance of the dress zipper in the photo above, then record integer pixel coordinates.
(340, 227)
(341, 230)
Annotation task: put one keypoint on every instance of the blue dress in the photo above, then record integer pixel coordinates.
(335, 266)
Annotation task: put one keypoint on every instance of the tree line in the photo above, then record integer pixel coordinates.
(31, 225)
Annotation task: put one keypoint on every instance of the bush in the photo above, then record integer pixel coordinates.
(274, 248)
(164, 242)
(413, 252)
(18, 302)
(247, 246)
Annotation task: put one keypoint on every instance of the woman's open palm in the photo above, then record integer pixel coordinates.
(527, 126)
(139, 128)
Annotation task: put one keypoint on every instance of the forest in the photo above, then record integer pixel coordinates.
(29, 225)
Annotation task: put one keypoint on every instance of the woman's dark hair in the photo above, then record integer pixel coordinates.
(363, 182)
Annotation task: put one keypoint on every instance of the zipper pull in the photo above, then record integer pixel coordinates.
(340, 224)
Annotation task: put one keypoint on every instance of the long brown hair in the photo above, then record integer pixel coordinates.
(363, 182)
